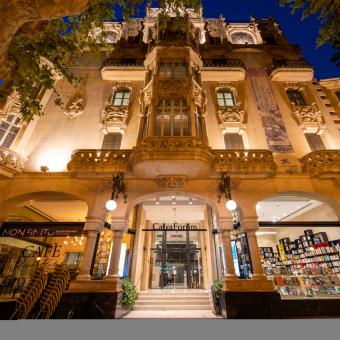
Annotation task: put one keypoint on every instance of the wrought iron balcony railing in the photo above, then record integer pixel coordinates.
(223, 63)
(288, 63)
(322, 163)
(123, 62)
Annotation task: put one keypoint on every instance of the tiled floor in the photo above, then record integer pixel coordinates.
(171, 314)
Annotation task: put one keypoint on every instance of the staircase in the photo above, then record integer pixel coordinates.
(173, 300)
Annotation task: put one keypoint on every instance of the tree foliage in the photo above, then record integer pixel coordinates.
(37, 56)
(328, 13)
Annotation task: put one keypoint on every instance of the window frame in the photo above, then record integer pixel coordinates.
(167, 68)
(224, 98)
(291, 94)
(172, 127)
(125, 96)
(8, 130)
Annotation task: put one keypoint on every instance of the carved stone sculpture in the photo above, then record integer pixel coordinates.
(75, 108)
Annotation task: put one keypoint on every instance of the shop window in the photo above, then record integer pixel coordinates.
(112, 141)
(73, 259)
(9, 128)
(296, 97)
(121, 97)
(172, 118)
(176, 69)
(314, 141)
(225, 98)
(233, 141)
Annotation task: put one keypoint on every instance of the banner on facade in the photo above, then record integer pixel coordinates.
(41, 229)
(272, 122)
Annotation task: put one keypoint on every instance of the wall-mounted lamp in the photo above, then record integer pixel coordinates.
(118, 187)
(225, 190)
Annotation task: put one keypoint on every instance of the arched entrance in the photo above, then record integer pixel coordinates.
(175, 246)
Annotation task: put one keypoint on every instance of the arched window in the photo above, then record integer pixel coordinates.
(121, 97)
(9, 128)
(242, 38)
(172, 118)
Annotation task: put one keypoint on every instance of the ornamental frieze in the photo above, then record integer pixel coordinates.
(231, 114)
(309, 118)
(171, 182)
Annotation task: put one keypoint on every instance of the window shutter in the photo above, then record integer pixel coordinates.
(314, 141)
(233, 141)
(112, 141)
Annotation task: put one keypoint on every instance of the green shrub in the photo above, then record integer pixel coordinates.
(217, 287)
(130, 293)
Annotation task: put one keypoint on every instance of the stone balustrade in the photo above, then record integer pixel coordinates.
(100, 162)
(245, 163)
(157, 156)
(322, 163)
(10, 162)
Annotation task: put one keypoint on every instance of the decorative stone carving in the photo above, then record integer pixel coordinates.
(309, 118)
(170, 87)
(75, 108)
(114, 117)
(231, 114)
(12, 106)
(245, 162)
(171, 182)
(10, 162)
(146, 94)
(243, 33)
(132, 28)
(322, 163)
(113, 32)
(213, 27)
(232, 119)
(99, 161)
(199, 96)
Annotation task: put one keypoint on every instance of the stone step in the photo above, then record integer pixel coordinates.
(171, 297)
(171, 307)
(173, 302)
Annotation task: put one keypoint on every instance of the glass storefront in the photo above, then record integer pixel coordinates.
(302, 262)
(21, 252)
(176, 259)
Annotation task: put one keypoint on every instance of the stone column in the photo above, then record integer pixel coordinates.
(250, 225)
(115, 255)
(118, 226)
(225, 226)
(228, 255)
(93, 227)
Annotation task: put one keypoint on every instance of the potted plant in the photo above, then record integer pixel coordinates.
(130, 293)
(216, 290)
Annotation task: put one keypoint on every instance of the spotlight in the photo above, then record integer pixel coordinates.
(231, 205)
(111, 205)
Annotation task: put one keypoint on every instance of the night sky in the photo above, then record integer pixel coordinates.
(298, 32)
(303, 33)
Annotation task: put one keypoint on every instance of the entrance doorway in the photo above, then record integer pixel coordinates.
(176, 260)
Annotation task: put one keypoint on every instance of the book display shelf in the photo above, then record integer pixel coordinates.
(306, 267)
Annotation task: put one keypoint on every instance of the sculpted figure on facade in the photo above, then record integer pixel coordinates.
(12, 106)
(75, 108)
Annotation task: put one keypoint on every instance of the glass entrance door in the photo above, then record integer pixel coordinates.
(175, 260)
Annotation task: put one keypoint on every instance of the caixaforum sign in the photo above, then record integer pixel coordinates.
(174, 227)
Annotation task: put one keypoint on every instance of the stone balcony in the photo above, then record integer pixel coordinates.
(85, 163)
(171, 156)
(11, 162)
(223, 70)
(245, 163)
(322, 163)
(123, 69)
(290, 70)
